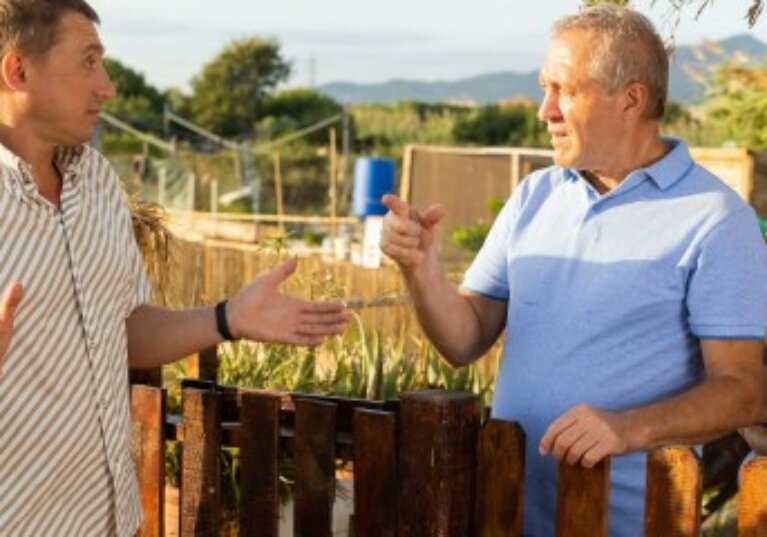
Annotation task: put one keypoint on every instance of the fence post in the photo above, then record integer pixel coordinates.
(315, 447)
(582, 500)
(147, 377)
(752, 500)
(148, 449)
(437, 458)
(501, 479)
(674, 491)
(259, 439)
(200, 463)
(375, 473)
(208, 363)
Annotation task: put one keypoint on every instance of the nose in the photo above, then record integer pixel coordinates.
(549, 108)
(105, 89)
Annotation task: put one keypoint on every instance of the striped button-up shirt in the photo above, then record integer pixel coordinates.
(65, 463)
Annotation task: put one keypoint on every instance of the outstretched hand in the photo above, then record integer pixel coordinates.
(8, 304)
(407, 236)
(260, 312)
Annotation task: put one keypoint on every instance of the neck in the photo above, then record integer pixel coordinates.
(635, 152)
(39, 154)
(35, 152)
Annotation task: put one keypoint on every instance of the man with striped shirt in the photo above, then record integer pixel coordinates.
(75, 309)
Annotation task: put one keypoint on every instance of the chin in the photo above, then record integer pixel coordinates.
(563, 160)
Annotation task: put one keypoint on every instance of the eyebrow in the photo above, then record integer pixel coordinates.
(94, 47)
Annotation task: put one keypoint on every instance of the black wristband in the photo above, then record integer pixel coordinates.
(221, 323)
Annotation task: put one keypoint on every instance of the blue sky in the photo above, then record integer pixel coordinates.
(364, 41)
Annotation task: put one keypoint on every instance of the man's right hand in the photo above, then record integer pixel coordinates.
(408, 237)
(8, 304)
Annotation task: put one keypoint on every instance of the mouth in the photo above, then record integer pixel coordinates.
(557, 136)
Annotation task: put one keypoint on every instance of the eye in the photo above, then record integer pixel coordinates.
(90, 62)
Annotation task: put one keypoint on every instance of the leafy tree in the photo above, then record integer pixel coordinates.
(177, 102)
(753, 12)
(229, 93)
(736, 106)
(294, 109)
(136, 101)
(384, 129)
(515, 125)
(301, 105)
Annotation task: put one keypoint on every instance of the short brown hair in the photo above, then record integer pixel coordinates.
(626, 49)
(31, 26)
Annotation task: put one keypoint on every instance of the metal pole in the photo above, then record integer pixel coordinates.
(344, 177)
(161, 183)
(214, 204)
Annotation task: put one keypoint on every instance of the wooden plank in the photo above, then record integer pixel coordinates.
(208, 363)
(200, 464)
(501, 479)
(582, 500)
(752, 502)
(259, 465)
(674, 492)
(148, 450)
(437, 456)
(278, 189)
(146, 377)
(375, 473)
(315, 468)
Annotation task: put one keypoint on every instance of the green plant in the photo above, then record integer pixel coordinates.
(471, 238)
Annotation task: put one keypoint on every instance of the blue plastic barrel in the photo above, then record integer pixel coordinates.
(373, 177)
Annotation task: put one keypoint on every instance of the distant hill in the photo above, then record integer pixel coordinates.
(689, 67)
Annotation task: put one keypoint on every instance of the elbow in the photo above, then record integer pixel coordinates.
(754, 402)
(458, 357)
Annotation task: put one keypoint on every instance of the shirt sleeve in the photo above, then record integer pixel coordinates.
(488, 273)
(727, 290)
(139, 290)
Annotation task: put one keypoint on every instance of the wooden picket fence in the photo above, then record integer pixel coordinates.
(427, 464)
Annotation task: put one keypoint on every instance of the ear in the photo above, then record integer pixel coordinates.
(13, 70)
(636, 99)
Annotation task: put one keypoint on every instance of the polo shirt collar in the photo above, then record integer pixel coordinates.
(672, 167)
(664, 173)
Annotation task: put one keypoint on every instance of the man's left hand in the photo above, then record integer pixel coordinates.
(260, 312)
(586, 435)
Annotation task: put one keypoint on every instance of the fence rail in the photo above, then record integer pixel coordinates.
(424, 465)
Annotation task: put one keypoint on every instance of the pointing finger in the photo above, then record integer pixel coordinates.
(396, 205)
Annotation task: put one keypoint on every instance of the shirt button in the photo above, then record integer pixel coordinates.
(92, 343)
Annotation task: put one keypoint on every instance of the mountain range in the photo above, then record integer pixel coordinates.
(690, 66)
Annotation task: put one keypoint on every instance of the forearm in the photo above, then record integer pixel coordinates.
(158, 336)
(717, 406)
(447, 317)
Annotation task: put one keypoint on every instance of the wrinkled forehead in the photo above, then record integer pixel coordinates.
(568, 57)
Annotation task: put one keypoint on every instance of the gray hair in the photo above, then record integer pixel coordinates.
(626, 49)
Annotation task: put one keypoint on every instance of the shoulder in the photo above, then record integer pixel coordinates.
(536, 188)
(708, 197)
(98, 170)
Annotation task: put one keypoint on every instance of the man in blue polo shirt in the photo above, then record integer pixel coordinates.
(631, 282)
